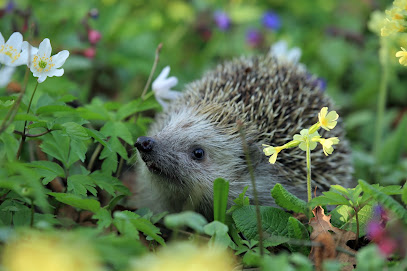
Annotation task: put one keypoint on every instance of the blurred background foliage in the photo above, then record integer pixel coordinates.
(334, 37)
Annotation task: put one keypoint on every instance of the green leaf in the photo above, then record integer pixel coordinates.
(186, 219)
(51, 109)
(240, 201)
(117, 129)
(48, 170)
(81, 184)
(127, 220)
(287, 200)
(404, 195)
(25, 117)
(219, 234)
(99, 137)
(75, 131)
(296, 230)
(110, 163)
(220, 199)
(8, 146)
(104, 218)
(136, 106)
(343, 217)
(386, 200)
(77, 201)
(274, 223)
(108, 183)
(329, 198)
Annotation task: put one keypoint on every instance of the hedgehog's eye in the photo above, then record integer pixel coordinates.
(198, 154)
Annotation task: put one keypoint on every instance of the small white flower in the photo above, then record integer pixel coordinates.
(281, 51)
(44, 65)
(10, 51)
(162, 87)
(6, 72)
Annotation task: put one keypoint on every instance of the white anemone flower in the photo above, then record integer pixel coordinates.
(44, 65)
(281, 51)
(10, 51)
(6, 72)
(162, 87)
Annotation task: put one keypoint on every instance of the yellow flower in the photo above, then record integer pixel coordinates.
(273, 151)
(327, 120)
(303, 137)
(35, 251)
(391, 26)
(327, 144)
(185, 256)
(403, 56)
(376, 21)
(402, 4)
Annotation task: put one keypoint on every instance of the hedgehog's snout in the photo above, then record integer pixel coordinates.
(145, 144)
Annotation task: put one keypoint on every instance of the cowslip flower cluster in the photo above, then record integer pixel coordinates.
(162, 87)
(395, 18)
(16, 52)
(308, 138)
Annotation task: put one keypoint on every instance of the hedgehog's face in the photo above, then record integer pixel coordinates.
(186, 152)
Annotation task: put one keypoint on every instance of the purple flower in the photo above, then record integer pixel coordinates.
(254, 37)
(271, 20)
(321, 82)
(10, 6)
(375, 231)
(222, 20)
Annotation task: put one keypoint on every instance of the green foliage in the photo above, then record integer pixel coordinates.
(189, 219)
(288, 201)
(220, 199)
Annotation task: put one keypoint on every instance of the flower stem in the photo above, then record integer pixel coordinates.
(150, 77)
(23, 137)
(381, 102)
(13, 111)
(308, 153)
(255, 196)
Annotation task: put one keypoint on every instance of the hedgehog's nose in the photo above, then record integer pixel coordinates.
(144, 144)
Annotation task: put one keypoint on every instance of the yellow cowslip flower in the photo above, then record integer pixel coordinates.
(327, 120)
(376, 22)
(273, 151)
(392, 26)
(327, 144)
(185, 256)
(38, 251)
(303, 137)
(403, 56)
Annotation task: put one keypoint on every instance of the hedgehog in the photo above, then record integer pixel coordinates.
(197, 139)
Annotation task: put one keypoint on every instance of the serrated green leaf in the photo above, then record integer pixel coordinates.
(240, 201)
(404, 195)
(77, 201)
(107, 182)
(99, 137)
(75, 131)
(104, 218)
(136, 106)
(220, 199)
(386, 200)
(287, 200)
(127, 220)
(110, 161)
(8, 146)
(47, 169)
(186, 219)
(117, 129)
(81, 184)
(274, 223)
(342, 190)
(296, 230)
(329, 198)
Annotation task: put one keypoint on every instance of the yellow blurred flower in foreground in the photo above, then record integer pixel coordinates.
(36, 251)
(185, 256)
(403, 56)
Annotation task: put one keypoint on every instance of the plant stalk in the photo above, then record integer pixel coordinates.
(23, 137)
(308, 154)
